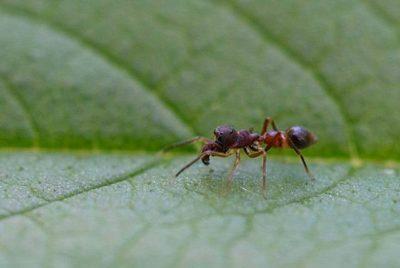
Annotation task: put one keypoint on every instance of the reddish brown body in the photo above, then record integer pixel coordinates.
(276, 139)
(229, 141)
(245, 138)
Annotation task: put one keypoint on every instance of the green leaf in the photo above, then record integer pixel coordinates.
(121, 210)
(102, 75)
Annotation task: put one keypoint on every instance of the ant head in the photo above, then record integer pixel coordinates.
(301, 137)
(225, 135)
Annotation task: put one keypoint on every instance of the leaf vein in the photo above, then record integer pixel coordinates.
(346, 177)
(105, 183)
(33, 125)
(380, 13)
(104, 54)
(268, 37)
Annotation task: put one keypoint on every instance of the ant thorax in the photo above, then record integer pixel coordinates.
(245, 138)
(276, 139)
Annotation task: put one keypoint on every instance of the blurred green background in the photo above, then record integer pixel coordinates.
(136, 75)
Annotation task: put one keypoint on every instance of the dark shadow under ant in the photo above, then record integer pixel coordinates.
(228, 141)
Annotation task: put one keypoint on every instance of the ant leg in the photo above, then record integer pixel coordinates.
(199, 157)
(268, 121)
(189, 164)
(264, 174)
(253, 154)
(235, 165)
(302, 159)
(264, 166)
(186, 142)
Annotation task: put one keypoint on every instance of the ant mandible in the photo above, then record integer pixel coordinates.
(228, 141)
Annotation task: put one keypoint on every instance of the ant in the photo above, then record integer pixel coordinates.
(228, 141)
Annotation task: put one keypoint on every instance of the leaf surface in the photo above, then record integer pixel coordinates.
(130, 211)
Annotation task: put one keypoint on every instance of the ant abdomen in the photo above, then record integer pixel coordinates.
(301, 137)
